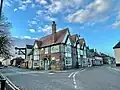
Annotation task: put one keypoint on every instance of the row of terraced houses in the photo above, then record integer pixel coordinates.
(62, 50)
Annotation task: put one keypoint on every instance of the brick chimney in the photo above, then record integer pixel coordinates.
(53, 32)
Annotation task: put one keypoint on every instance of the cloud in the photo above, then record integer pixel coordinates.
(39, 12)
(45, 13)
(59, 5)
(33, 22)
(48, 18)
(7, 3)
(27, 1)
(15, 9)
(47, 29)
(22, 41)
(25, 37)
(116, 24)
(33, 5)
(23, 4)
(43, 2)
(39, 29)
(91, 12)
(32, 30)
(55, 7)
(23, 7)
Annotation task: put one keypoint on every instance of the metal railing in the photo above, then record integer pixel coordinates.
(6, 84)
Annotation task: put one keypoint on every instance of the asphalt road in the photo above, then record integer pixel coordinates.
(95, 78)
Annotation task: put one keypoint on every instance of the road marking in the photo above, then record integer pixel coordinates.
(51, 73)
(83, 70)
(75, 86)
(71, 74)
(74, 79)
(74, 82)
(114, 69)
(75, 73)
(33, 74)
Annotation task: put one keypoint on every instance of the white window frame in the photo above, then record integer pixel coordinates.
(55, 51)
(46, 50)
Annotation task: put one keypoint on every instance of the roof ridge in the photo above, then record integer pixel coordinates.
(51, 34)
(117, 45)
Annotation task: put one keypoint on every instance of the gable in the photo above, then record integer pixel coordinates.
(78, 45)
(117, 45)
(68, 41)
(76, 41)
(35, 45)
(65, 37)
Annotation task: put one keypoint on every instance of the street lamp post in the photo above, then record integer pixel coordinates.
(1, 8)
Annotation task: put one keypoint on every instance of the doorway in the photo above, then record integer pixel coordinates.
(46, 64)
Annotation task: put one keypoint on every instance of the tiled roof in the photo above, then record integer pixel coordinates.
(29, 46)
(117, 45)
(97, 54)
(104, 55)
(82, 42)
(73, 38)
(47, 40)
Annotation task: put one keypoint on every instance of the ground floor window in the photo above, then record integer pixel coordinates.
(35, 64)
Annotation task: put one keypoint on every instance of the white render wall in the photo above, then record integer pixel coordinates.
(117, 55)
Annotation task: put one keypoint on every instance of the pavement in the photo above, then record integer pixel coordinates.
(94, 78)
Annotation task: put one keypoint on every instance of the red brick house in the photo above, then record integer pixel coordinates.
(58, 50)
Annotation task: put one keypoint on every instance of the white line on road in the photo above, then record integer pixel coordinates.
(33, 74)
(83, 70)
(114, 69)
(75, 86)
(75, 74)
(71, 74)
(51, 73)
(74, 82)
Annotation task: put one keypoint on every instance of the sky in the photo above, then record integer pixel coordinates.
(98, 21)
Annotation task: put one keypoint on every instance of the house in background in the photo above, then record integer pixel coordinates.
(98, 60)
(75, 51)
(107, 59)
(117, 53)
(6, 61)
(27, 58)
(90, 56)
(83, 52)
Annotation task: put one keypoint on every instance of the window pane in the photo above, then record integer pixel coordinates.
(46, 50)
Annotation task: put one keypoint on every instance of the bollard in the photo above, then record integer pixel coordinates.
(3, 84)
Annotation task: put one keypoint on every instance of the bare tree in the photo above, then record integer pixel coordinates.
(5, 37)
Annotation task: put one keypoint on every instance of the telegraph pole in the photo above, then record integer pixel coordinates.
(1, 6)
